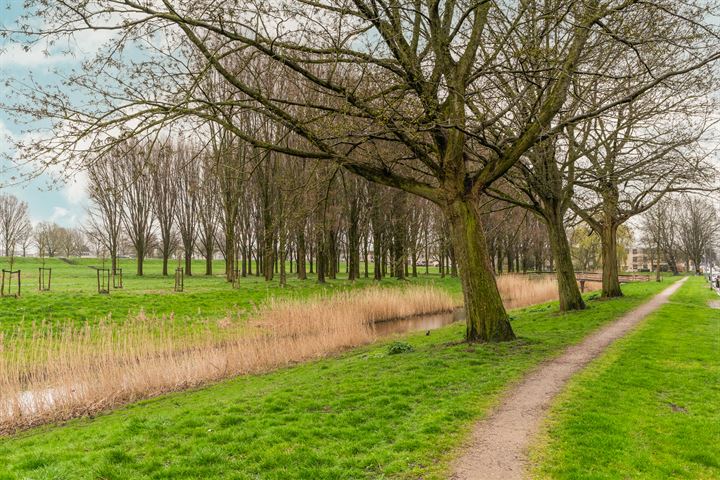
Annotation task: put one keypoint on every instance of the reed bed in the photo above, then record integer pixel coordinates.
(50, 374)
(523, 290)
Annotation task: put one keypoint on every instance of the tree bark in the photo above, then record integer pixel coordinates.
(377, 255)
(568, 290)
(331, 254)
(365, 256)
(399, 255)
(208, 264)
(140, 260)
(301, 270)
(269, 256)
(229, 252)
(245, 260)
(188, 263)
(353, 255)
(610, 281)
(672, 263)
(486, 318)
(282, 253)
(320, 262)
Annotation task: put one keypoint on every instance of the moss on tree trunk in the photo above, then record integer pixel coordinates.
(568, 290)
(486, 318)
(610, 280)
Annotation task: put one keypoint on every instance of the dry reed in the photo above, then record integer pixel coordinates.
(522, 290)
(55, 374)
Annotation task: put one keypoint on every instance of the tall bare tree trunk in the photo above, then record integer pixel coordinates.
(301, 270)
(188, 263)
(268, 254)
(610, 280)
(377, 256)
(140, 260)
(365, 255)
(568, 290)
(353, 255)
(282, 254)
(321, 261)
(230, 252)
(331, 254)
(399, 256)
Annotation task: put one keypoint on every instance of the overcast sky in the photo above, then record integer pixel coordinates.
(64, 204)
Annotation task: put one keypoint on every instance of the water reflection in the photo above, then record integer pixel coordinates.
(418, 323)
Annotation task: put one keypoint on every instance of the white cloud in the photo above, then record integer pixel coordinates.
(75, 190)
(59, 213)
(15, 55)
(65, 217)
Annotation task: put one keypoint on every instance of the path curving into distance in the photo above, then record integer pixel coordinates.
(498, 448)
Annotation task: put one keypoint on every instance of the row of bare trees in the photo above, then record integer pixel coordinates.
(46, 239)
(262, 214)
(15, 227)
(595, 107)
(682, 229)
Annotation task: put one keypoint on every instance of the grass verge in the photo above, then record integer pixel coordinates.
(650, 407)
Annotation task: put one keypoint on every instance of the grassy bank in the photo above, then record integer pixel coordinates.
(650, 407)
(365, 414)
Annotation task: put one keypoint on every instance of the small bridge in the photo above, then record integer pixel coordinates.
(583, 277)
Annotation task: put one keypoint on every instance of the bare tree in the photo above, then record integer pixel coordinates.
(188, 192)
(13, 222)
(699, 225)
(68, 242)
(661, 225)
(207, 212)
(632, 157)
(543, 183)
(41, 239)
(162, 169)
(230, 158)
(50, 239)
(104, 220)
(25, 236)
(137, 198)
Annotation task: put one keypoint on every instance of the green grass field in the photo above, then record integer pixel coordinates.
(650, 407)
(365, 414)
(74, 296)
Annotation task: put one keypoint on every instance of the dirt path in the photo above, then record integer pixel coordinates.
(499, 444)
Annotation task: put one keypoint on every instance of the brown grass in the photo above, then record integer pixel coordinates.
(49, 375)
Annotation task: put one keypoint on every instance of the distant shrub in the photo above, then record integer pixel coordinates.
(399, 347)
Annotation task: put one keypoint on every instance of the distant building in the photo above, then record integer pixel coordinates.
(642, 259)
(639, 259)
